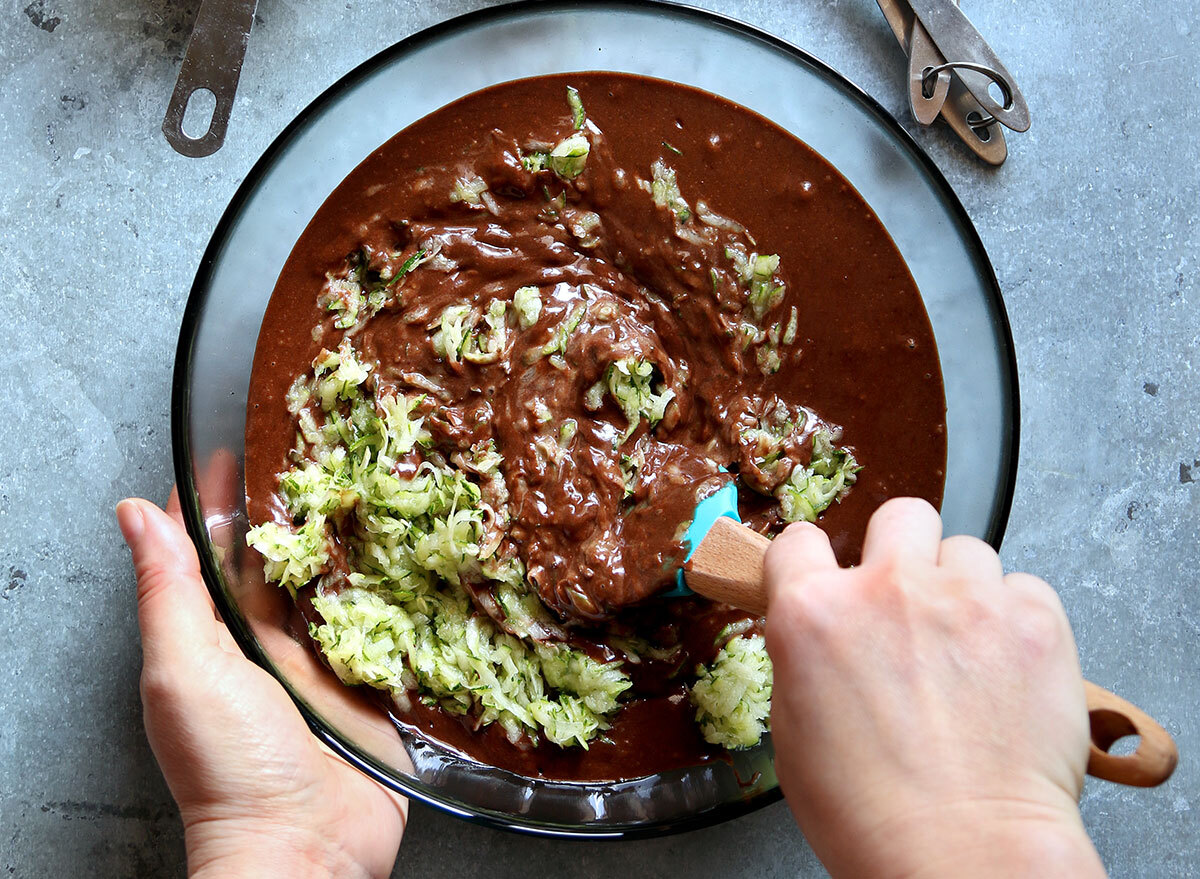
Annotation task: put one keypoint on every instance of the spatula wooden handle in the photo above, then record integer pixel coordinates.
(728, 567)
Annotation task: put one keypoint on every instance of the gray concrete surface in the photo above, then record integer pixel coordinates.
(1092, 225)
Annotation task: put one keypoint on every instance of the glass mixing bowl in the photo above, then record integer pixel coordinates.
(407, 81)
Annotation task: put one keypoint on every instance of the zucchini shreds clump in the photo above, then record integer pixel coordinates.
(733, 695)
(338, 375)
(584, 226)
(793, 324)
(400, 618)
(292, 558)
(631, 467)
(361, 291)
(451, 336)
(810, 490)
(628, 381)
(528, 304)
(434, 645)
(535, 160)
(768, 359)
(664, 188)
(567, 431)
(711, 218)
(459, 338)
(469, 190)
(767, 443)
(578, 116)
(765, 294)
(757, 271)
(562, 332)
(569, 156)
(343, 296)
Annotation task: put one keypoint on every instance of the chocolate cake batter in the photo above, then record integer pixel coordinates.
(631, 280)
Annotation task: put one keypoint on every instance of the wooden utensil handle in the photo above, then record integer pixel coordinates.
(728, 567)
(1113, 718)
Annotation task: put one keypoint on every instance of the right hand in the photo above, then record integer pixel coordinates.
(929, 716)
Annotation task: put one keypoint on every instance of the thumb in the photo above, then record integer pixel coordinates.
(801, 548)
(175, 613)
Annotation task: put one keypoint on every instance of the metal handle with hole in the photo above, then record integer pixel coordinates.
(958, 40)
(926, 93)
(1112, 718)
(966, 117)
(213, 61)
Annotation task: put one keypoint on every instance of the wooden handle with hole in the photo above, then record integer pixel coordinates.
(728, 567)
(1113, 718)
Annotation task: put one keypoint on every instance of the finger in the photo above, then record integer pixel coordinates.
(1041, 619)
(970, 555)
(174, 610)
(175, 511)
(1031, 586)
(1037, 591)
(903, 528)
(800, 549)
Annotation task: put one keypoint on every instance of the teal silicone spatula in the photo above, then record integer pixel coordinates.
(725, 558)
(725, 564)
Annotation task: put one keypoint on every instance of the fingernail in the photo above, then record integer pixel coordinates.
(131, 521)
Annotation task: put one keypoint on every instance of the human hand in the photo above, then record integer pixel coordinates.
(259, 795)
(929, 716)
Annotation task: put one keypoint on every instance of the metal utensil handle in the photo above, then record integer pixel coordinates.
(927, 91)
(959, 41)
(213, 61)
(974, 125)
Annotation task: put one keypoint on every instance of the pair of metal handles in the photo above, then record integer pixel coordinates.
(951, 73)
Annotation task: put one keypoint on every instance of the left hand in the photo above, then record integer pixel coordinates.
(259, 795)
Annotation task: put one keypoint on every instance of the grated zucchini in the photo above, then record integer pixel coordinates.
(732, 695)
